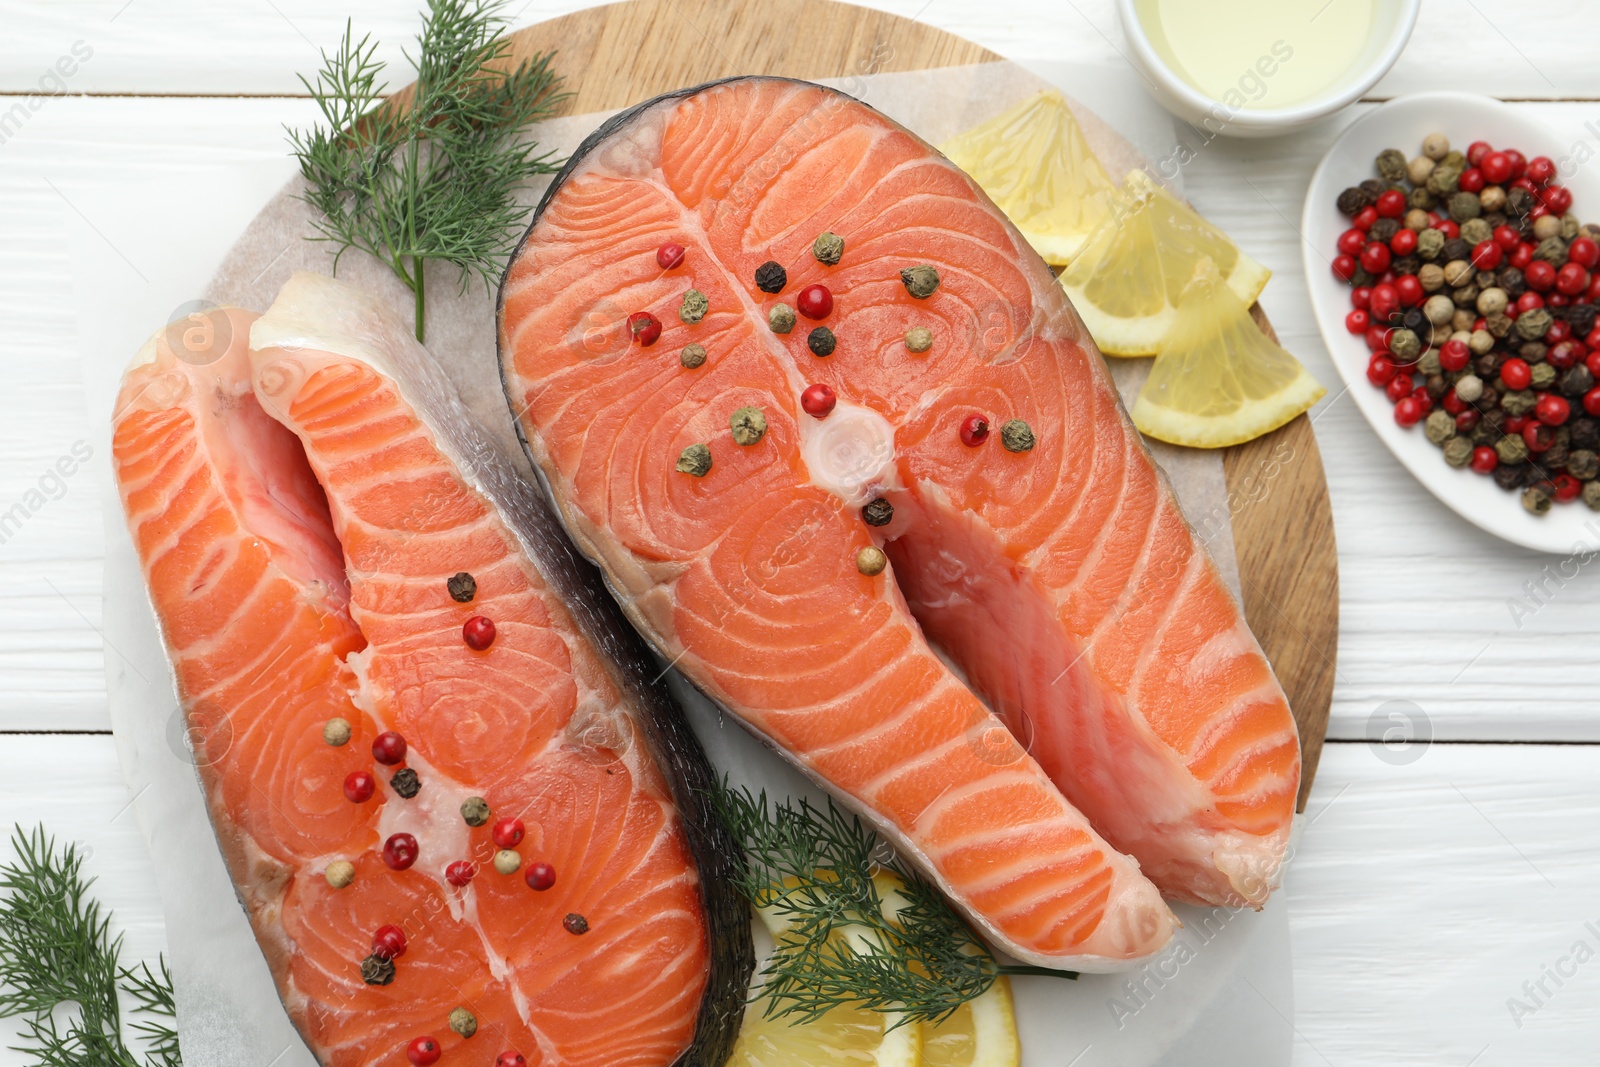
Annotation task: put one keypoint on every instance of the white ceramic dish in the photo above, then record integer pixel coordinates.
(1391, 29)
(1402, 123)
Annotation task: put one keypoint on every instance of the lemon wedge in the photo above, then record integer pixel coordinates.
(1218, 380)
(1033, 162)
(1127, 280)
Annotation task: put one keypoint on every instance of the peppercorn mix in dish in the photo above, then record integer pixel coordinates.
(461, 819)
(955, 469)
(1474, 286)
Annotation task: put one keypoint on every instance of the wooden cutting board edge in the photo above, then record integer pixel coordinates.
(622, 53)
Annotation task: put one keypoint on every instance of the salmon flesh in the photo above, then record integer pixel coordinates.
(1049, 700)
(301, 487)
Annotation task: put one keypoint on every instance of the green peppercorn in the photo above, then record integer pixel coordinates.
(1497, 325)
(1464, 206)
(1429, 244)
(1428, 362)
(828, 247)
(780, 318)
(1552, 250)
(920, 281)
(1569, 227)
(1457, 450)
(748, 424)
(1512, 449)
(1406, 345)
(695, 460)
(1391, 165)
(463, 1022)
(1518, 402)
(1542, 376)
(1591, 495)
(475, 811)
(1533, 324)
(1440, 427)
(1445, 178)
(1536, 499)
(694, 306)
(692, 356)
(1017, 436)
(1475, 231)
(1421, 199)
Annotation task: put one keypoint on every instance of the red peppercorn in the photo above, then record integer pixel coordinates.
(1408, 412)
(400, 851)
(1403, 243)
(1584, 251)
(510, 1059)
(1352, 241)
(1566, 487)
(1558, 300)
(1365, 218)
(388, 748)
(1516, 373)
(423, 1051)
(1564, 353)
(1377, 339)
(1344, 267)
(540, 876)
(1516, 424)
(1495, 166)
(1526, 302)
(1591, 401)
(1485, 459)
(1506, 237)
(1594, 290)
(1552, 410)
(1420, 395)
(817, 401)
(1467, 421)
(1471, 180)
(1538, 437)
(1592, 362)
(1572, 279)
(1361, 297)
(1400, 387)
(1541, 169)
(1521, 256)
(359, 787)
(478, 633)
(1391, 204)
(1477, 150)
(1375, 258)
(508, 832)
(1452, 403)
(1448, 227)
(644, 327)
(389, 942)
(1539, 275)
(975, 427)
(1525, 185)
(1384, 304)
(1357, 321)
(1519, 162)
(814, 302)
(1558, 199)
(1409, 289)
(1559, 331)
(1454, 355)
(1538, 212)
(460, 873)
(1381, 370)
(669, 255)
(1486, 255)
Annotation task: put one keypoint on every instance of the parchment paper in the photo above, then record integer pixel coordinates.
(1203, 1002)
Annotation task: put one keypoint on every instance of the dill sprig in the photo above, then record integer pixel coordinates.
(915, 959)
(56, 950)
(431, 176)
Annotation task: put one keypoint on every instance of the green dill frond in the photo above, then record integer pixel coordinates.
(911, 957)
(56, 950)
(432, 177)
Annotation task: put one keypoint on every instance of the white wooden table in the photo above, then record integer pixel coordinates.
(1430, 888)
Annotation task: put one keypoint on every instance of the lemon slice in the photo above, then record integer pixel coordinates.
(981, 1033)
(1127, 280)
(1218, 380)
(1033, 162)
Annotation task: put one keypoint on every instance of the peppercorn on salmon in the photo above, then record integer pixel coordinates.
(966, 426)
(324, 532)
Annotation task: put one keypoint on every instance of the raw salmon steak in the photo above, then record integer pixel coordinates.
(319, 522)
(1049, 699)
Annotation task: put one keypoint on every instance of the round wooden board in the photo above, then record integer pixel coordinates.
(622, 53)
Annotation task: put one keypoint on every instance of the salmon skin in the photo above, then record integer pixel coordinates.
(1110, 732)
(300, 488)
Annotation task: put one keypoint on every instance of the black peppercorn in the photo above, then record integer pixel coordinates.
(1581, 317)
(1486, 367)
(1576, 381)
(1352, 200)
(575, 923)
(1455, 248)
(1437, 386)
(771, 277)
(878, 513)
(1373, 188)
(1413, 319)
(1508, 477)
(1533, 351)
(1406, 264)
(463, 587)
(406, 783)
(1585, 433)
(1383, 230)
(1485, 433)
(1519, 202)
(377, 970)
(1495, 219)
(1512, 281)
(821, 341)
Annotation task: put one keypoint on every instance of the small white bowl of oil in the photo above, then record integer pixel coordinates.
(1257, 68)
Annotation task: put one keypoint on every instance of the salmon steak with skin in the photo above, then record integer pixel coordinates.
(1049, 699)
(302, 489)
